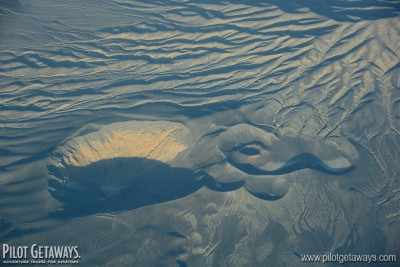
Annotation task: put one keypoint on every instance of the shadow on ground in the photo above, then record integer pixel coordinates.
(120, 184)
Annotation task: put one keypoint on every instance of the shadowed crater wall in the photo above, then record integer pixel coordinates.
(130, 183)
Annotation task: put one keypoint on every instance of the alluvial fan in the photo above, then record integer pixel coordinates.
(201, 133)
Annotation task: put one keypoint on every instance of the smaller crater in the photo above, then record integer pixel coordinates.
(249, 151)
